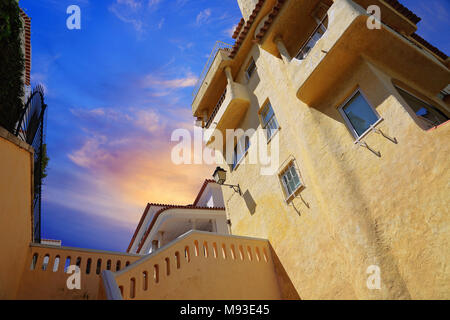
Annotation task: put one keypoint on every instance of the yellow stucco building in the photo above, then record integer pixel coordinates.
(361, 117)
(353, 203)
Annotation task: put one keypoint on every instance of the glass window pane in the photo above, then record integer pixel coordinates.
(360, 114)
(267, 114)
(425, 111)
(291, 180)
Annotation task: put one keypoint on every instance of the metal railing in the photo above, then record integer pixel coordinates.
(219, 45)
(216, 108)
(313, 38)
(30, 129)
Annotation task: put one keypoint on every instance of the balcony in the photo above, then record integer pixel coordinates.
(211, 78)
(342, 40)
(229, 110)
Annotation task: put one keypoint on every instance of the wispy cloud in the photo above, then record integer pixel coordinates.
(203, 17)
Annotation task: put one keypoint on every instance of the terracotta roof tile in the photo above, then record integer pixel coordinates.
(429, 46)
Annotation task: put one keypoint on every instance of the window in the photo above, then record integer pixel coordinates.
(250, 69)
(290, 180)
(269, 121)
(358, 114)
(240, 149)
(318, 32)
(430, 115)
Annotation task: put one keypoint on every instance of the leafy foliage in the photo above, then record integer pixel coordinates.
(11, 64)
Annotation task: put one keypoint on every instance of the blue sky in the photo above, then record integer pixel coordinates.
(116, 89)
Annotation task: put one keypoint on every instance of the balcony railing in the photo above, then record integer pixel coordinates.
(218, 46)
(216, 108)
(313, 38)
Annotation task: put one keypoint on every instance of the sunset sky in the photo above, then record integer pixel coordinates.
(116, 89)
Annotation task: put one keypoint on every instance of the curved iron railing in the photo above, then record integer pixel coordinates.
(218, 46)
(30, 129)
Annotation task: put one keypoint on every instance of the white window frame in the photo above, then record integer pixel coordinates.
(347, 120)
(289, 197)
(398, 88)
(238, 161)
(274, 117)
(249, 76)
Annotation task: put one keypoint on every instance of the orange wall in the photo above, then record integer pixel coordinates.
(39, 284)
(16, 163)
(209, 276)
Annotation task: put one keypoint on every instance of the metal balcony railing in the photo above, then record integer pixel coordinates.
(218, 46)
(313, 38)
(216, 108)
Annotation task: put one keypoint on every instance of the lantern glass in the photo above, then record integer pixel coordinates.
(220, 175)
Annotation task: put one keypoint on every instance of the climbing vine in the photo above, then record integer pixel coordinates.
(11, 64)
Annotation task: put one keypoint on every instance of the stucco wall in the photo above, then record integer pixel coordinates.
(50, 284)
(16, 161)
(214, 267)
(357, 209)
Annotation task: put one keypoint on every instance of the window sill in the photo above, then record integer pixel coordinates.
(294, 194)
(441, 125)
(368, 131)
(273, 135)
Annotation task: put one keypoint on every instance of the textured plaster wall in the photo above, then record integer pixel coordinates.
(357, 209)
(16, 161)
(39, 284)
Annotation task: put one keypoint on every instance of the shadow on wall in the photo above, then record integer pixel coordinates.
(287, 289)
(250, 202)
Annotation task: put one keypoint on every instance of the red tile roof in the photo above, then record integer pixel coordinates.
(404, 11)
(207, 181)
(246, 29)
(171, 206)
(272, 15)
(238, 28)
(429, 46)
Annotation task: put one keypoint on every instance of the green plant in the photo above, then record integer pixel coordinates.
(11, 64)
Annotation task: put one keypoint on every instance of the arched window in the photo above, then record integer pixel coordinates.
(249, 251)
(118, 265)
(67, 264)
(196, 248)
(88, 266)
(427, 116)
(224, 251)
(99, 266)
(56, 264)
(156, 273)
(127, 263)
(78, 263)
(145, 280)
(233, 252)
(205, 249)
(45, 262)
(108, 265)
(132, 288)
(177, 258)
(241, 252)
(121, 290)
(187, 254)
(167, 266)
(34, 261)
